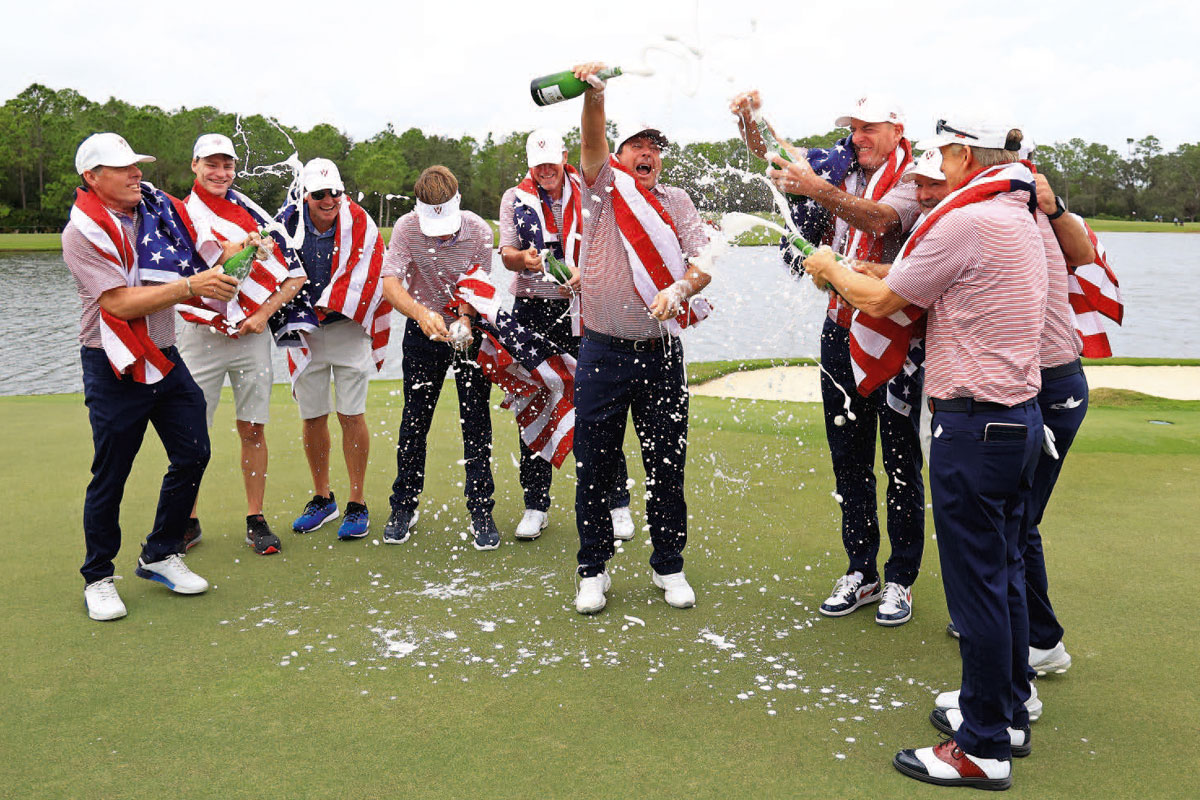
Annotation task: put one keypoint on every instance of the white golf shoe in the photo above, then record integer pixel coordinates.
(949, 700)
(590, 598)
(678, 592)
(1056, 660)
(532, 523)
(622, 523)
(172, 573)
(103, 602)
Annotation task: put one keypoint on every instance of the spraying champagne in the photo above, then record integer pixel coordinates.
(560, 86)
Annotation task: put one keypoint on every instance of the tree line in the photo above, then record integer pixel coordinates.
(41, 128)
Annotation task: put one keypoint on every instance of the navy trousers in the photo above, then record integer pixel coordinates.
(119, 409)
(852, 446)
(425, 364)
(981, 479)
(1063, 402)
(551, 319)
(610, 383)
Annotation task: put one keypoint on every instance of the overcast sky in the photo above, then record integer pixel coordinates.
(1100, 71)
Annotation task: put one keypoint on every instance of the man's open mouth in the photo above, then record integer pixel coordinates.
(643, 169)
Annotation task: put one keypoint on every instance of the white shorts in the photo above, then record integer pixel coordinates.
(210, 356)
(341, 353)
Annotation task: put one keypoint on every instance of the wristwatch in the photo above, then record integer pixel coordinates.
(1060, 208)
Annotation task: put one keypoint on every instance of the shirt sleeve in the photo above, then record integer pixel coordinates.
(508, 225)
(94, 274)
(936, 262)
(693, 236)
(397, 260)
(903, 198)
(483, 254)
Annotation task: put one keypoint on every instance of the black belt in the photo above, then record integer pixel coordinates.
(663, 343)
(970, 405)
(1062, 370)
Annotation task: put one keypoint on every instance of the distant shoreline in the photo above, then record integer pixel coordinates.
(52, 242)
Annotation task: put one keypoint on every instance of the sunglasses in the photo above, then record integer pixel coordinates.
(942, 127)
(320, 194)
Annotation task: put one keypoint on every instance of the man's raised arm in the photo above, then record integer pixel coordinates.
(593, 146)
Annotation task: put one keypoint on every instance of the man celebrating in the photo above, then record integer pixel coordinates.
(857, 204)
(231, 339)
(637, 280)
(132, 373)
(340, 322)
(430, 247)
(977, 265)
(544, 211)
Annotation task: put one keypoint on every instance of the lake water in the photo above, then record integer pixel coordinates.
(761, 312)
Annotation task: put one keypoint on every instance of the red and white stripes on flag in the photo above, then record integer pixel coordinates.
(538, 379)
(879, 345)
(1093, 291)
(570, 238)
(652, 244)
(218, 219)
(355, 288)
(127, 343)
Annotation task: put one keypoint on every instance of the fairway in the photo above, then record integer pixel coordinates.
(358, 670)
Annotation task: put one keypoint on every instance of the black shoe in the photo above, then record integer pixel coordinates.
(259, 536)
(398, 527)
(191, 534)
(483, 529)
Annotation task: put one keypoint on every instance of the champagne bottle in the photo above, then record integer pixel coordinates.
(560, 86)
(772, 143)
(808, 248)
(556, 269)
(239, 264)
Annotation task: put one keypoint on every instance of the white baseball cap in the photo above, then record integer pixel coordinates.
(106, 150)
(321, 173)
(631, 129)
(968, 130)
(873, 108)
(544, 146)
(929, 165)
(440, 219)
(213, 144)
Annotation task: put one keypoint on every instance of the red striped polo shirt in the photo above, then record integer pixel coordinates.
(94, 275)
(981, 274)
(428, 266)
(1060, 341)
(611, 304)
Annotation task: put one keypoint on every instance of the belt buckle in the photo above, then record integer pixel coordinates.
(642, 345)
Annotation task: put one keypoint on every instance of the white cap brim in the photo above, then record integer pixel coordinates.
(441, 219)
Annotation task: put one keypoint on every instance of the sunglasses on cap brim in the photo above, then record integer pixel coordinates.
(320, 194)
(942, 127)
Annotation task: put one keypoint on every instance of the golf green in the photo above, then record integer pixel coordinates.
(429, 669)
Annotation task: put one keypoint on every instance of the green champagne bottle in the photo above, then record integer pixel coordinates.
(556, 269)
(768, 137)
(560, 86)
(240, 263)
(808, 248)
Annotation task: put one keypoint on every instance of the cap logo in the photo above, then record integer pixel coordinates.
(862, 101)
(324, 173)
(437, 209)
(542, 143)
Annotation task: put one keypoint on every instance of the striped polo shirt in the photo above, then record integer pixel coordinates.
(610, 302)
(94, 275)
(428, 266)
(981, 274)
(1060, 341)
(526, 283)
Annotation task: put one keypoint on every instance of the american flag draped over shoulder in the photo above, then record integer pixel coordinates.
(536, 227)
(1093, 291)
(537, 377)
(163, 251)
(355, 288)
(879, 347)
(535, 219)
(232, 217)
(652, 244)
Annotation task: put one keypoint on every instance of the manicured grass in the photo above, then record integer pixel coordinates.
(1140, 226)
(432, 670)
(24, 242)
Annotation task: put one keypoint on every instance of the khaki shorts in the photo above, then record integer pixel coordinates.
(341, 354)
(211, 356)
